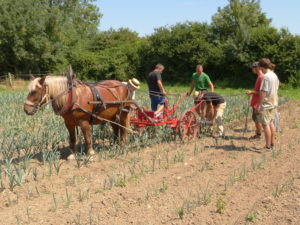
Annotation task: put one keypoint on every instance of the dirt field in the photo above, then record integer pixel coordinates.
(206, 181)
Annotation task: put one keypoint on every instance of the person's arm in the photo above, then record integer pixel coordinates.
(161, 87)
(252, 92)
(212, 88)
(262, 96)
(211, 85)
(191, 88)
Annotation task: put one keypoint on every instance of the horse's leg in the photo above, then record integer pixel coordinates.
(124, 121)
(72, 133)
(85, 127)
(116, 130)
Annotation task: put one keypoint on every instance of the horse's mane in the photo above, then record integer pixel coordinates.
(34, 84)
(56, 85)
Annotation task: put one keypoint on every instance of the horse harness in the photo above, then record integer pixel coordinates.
(97, 97)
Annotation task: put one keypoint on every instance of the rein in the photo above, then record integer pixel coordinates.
(106, 120)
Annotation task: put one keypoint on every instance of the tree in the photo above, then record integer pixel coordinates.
(234, 26)
(236, 19)
(40, 35)
(180, 47)
(115, 55)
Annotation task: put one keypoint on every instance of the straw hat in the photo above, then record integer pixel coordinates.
(135, 83)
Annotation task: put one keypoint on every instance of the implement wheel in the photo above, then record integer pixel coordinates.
(187, 127)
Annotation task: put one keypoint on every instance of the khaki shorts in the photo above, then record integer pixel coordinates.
(266, 117)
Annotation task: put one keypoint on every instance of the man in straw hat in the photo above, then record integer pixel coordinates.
(132, 85)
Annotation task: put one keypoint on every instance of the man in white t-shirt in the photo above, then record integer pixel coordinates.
(268, 101)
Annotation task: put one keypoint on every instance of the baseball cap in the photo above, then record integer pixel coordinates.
(255, 64)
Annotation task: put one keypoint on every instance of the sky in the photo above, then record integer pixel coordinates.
(143, 16)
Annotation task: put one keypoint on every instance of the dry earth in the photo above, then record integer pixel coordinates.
(206, 181)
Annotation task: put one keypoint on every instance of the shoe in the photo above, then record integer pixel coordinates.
(256, 136)
(269, 147)
(158, 114)
(221, 137)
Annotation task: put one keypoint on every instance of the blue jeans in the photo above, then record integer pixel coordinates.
(156, 100)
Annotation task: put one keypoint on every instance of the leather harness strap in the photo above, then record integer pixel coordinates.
(97, 97)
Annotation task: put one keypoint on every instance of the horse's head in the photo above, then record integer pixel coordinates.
(37, 95)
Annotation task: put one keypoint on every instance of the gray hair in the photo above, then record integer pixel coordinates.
(160, 66)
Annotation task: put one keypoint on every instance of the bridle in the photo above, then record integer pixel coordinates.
(42, 98)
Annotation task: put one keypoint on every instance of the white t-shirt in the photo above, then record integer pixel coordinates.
(270, 84)
(132, 91)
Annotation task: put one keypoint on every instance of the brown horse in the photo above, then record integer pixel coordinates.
(72, 103)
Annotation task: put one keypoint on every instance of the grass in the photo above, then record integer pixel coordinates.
(251, 217)
(287, 92)
(20, 140)
(291, 93)
(50, 131)
(221, 205)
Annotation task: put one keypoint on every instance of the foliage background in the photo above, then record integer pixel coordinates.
(47, 35)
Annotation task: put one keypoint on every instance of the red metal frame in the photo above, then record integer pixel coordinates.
(142, 118)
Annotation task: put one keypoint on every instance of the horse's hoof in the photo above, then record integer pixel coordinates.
(71, 157)
(91, 152)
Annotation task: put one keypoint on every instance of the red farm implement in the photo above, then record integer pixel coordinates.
(186, 126)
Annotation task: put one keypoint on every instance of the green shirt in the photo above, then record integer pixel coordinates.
(201, 81)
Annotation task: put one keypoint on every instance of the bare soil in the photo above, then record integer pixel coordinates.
(206, 181)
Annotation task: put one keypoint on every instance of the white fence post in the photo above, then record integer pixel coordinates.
(10, 80)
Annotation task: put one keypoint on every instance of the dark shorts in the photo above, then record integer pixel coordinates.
(196, 101)
(254, 116)
(156, 100)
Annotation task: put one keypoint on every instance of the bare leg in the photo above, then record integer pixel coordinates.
(219, 110)
(199, 113)
(258, 128)
(268, 134)
(206, 111)
(202, 111)
(273, 132)
(72, 141)
(85, 127)
(160, 109)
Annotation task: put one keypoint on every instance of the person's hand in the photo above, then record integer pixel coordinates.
(257, 109)
(188, 93)
(164, 93)
(248, 92)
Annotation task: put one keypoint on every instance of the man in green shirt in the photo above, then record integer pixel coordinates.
(200, 82)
